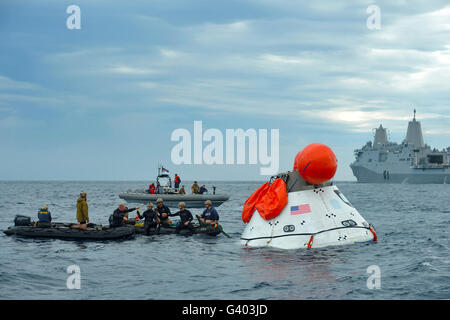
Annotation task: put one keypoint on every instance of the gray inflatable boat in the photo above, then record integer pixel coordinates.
(172, 200)
(170, 195)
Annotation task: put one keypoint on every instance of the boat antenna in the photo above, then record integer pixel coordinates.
(414, 114)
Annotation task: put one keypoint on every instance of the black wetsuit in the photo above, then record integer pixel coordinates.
(151, 221)
(185, 216)
(117, 217)
(160, 211)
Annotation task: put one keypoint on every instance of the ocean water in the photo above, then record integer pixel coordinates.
(412, 224)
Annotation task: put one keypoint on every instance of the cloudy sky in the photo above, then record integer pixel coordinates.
(100, 103)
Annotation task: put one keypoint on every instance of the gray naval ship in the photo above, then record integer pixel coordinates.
(412, 161)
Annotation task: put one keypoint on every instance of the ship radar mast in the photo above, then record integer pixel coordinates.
(380, 136)
(414, 133)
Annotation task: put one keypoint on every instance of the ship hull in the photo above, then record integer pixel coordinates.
(415, 176)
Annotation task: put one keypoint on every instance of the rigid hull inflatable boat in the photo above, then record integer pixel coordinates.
(172, 200)
(170, 195)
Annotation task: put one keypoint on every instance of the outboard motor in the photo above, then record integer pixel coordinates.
(22, 221)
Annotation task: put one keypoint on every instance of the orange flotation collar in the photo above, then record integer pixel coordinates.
(310, 242)
(268, 199)
(375, 238)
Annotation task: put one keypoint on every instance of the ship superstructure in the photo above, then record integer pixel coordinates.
(412, 161)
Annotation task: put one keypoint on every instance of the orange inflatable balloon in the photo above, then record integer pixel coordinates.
(316, 163)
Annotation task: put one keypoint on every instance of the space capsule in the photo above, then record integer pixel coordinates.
(303, 208)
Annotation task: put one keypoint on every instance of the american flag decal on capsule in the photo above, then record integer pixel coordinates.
(300, 209)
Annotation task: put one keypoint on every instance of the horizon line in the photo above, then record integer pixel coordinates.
(110, 180)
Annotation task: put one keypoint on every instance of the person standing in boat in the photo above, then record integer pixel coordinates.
(151, 219)
(82, 212)
(44, 216)
(163, 211)
(177, 181)
(185, 218)
(120, 215)
(151, 188)
(209, 215)
(195, 188)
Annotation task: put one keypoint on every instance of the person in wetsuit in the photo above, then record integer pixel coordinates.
(185, 218)
(120, 215)
(163, 211)
(151, 219)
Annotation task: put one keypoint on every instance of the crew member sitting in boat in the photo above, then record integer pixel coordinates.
(120, 215)
(182, 190)
(195, 188)
(45, 217)
(203, 189)
(185, 218)
(163, 211)
(151, 219)
(177, 181)
(209, 215)
(151, 188)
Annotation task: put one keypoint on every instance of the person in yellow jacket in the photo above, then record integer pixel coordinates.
(82, 212)
(195, 188)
